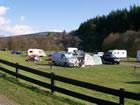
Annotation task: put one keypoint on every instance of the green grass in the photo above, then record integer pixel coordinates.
(113, 76)
(29, 95)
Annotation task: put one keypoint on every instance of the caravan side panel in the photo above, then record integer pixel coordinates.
(71, 49)
(119, 53)
(38, 52)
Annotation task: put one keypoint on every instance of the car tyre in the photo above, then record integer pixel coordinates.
(65, 64)
(118, 62)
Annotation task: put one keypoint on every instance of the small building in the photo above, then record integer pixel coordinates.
(119, 53)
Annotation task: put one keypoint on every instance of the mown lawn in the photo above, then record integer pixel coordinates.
(113, 76)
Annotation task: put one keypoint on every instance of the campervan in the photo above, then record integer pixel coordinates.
(119, 53)
(36, 52)
(138, 55)
(64, 59)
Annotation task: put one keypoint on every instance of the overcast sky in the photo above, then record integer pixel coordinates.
(30, 16)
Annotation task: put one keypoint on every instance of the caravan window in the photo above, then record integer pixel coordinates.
(117, 52)
(31, 51)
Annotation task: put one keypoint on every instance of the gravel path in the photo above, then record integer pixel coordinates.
(6, 101)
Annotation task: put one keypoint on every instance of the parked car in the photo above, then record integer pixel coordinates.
(16, 52)
(110, 58)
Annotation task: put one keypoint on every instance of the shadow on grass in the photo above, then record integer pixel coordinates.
(133, 82)
(132, 61)
(135, 61)
(44, 64)
(39, 91)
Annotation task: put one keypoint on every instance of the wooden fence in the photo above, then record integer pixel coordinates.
(121, 93)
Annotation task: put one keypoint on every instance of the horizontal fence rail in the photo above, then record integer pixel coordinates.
(40, 83)
(120, 93)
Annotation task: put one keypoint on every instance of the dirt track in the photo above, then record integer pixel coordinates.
(6, 101)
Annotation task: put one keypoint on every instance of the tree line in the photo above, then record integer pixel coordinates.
(51, 41)
(94, 32)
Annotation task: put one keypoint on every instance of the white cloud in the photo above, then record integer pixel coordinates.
(18, 29)
(22, 18)
(55, 30)
(21, 29)
(3, 21)
(3, 10)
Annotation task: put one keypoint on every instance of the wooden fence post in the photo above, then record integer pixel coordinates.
(50, 61)
(134, 69)
(16, 71)
(121, 96)
(52, 82)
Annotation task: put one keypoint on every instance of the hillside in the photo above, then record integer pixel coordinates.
(43, 40)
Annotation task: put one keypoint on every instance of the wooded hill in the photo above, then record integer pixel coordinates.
(43, 40)
(119, 29)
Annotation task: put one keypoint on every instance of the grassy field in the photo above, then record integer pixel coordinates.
(113, 76)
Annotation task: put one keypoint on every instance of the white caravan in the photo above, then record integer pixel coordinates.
(71, 49)
(138, 55)
(119, 53)
(64, 59)
(36, 52)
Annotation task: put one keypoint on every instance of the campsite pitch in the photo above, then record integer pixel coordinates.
(113, 76)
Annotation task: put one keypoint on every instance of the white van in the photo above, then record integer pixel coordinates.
(64, 59)
(37, 52)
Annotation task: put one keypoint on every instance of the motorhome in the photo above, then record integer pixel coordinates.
(36, 52)
(119, 53)
(64, 59)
